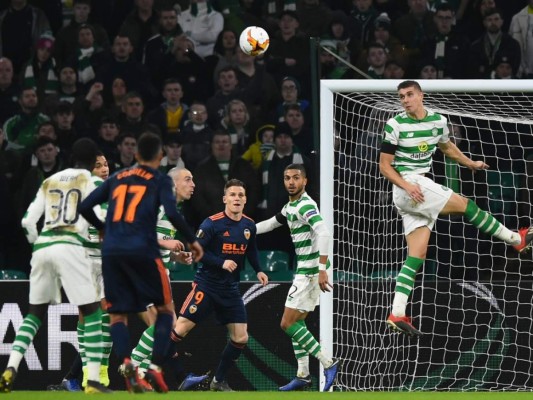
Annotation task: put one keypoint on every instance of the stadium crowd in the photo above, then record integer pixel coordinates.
(111, 70)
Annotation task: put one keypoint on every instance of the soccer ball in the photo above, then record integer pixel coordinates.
(254, 40)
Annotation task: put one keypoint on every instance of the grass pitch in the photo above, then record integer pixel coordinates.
(37, 395)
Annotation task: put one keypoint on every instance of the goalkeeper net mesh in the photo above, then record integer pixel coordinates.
(472, 298)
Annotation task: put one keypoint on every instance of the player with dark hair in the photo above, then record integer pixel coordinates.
(227, 237)
(134, 275)
(311, 241)
(411, 138)
(60, 260)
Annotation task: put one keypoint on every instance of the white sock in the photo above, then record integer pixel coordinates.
(399, 304)
(14, 360)
(508, 236)
(303, 367)
(324, 359)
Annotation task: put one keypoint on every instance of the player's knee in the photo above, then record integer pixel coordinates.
(240, 340)
(284, 325)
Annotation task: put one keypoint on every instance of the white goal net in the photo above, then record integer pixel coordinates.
(473, 296)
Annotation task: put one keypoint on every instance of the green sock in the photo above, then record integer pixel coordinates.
(406, 278)
(26, 333)
(299, 333)
(482, 220)
(92, 339)
(107, 342)
(142, 353)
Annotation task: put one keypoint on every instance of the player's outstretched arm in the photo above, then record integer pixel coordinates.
(452, 151)
(270, 224)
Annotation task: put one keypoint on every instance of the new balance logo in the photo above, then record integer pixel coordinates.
(226, 234)
(410, 134)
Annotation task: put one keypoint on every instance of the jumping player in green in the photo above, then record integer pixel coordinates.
(411, 139)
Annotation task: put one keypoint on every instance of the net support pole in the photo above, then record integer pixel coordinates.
(326, 207)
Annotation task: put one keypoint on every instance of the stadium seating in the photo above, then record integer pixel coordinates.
(274, 263)
(182, 272)
(12, 274)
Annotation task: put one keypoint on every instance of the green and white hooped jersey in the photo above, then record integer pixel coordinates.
(94, 245)
(165, 231)
(303, 217)
(416, 140)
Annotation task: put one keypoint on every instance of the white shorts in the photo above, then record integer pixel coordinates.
(304, 294)
(62, 265)
(415, 215)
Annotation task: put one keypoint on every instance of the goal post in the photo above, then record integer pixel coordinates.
(472, 298)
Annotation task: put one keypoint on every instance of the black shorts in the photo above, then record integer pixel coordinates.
(226, 303)
(131, 283)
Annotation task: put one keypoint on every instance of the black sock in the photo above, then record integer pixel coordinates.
(229, 356)
(75, 369)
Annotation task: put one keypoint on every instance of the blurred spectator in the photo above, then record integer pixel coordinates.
(172, 159)
(229, 89)
(20, 130)
(416, 28)
(161, 44)
(118, 93)
(302, 137)
(427, 69)
(90, 109)
(376, 58)
(447, 47)
(362, 18)
(21, 26)
(202, 24)
(264, 142)
(111, 14)
(87, 56)
(330, 67)
(315, 17)
(107, 138)
(189, 68)
(235, 122)
(339, 32)
(380, 34)
(63, 117)
(224, 54)
(502, 68)
(127, 147)
(49, 162)
(273, 10)
(520, 30)
(490, 46)
(472, 23)
(288, 54)
(9, 91)
(53, 9)
(122, 65)
(212, 174)
(67, 39)
(290, 93)
(394, 70)
(132, 118)
(140, 25)
(170, 115)
(40, 71)
(249, 71)
(196, 136)
(67, 90)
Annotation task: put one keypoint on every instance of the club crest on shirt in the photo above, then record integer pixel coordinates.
(193, 309)
(247, 234)
(434, 131)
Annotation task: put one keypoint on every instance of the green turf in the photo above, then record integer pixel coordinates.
(283, 396)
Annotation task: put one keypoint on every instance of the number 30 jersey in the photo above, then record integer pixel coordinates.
(58, 199)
